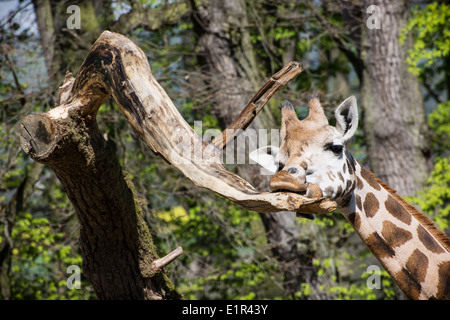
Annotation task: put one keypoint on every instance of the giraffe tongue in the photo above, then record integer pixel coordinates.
(283, 181)
(314, 191)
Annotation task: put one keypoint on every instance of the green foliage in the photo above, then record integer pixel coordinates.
(342, 268)
(358, 290)
(432, 44)
(226, 252)
(239, 281)
(439, 122)
(39, 260)
(432, 36)
(344, 277)
(435, 198)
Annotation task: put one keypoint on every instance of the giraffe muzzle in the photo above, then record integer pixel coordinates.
(293, 182)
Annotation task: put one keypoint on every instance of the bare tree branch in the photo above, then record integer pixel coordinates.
(258, 101)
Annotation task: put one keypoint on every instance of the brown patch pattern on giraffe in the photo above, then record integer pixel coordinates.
(359, 183)
(351, 167)
(339, 192)
(378, 246)
(349, 186)
(371, 205)
(417, 265)
(397, 210)
(444, 281)
(330, 177)
(355, 219)
(395, 236)
(358, 202)
(368, 177)
(408, 284)
(428, 241)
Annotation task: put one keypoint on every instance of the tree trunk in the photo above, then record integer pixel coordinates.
(228, 55)
(44, 19)
(115, 242)
(117, 249)
(395, 126)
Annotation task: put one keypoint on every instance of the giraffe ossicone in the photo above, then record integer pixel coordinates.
(313, 160)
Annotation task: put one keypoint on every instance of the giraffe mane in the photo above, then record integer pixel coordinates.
(420, 216)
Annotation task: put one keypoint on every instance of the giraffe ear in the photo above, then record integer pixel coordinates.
(347, 118)
(266, 158)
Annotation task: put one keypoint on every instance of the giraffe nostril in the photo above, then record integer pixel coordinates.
(292, 170)
(296, 172)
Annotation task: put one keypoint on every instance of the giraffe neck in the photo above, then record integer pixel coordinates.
(412, 250)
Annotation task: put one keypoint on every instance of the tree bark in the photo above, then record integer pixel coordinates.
(395, 125)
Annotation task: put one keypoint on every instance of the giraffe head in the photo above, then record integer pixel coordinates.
(312, 158)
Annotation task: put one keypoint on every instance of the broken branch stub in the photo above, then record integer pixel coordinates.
(158, 264)
(116, 66)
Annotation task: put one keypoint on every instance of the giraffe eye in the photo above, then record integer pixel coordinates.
(335, 148)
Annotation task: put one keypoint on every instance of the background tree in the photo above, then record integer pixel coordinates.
(399, 150)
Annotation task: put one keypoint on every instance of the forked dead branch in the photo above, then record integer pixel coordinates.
(117, 67)
(113, 235)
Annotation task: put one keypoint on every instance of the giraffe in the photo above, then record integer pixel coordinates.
(313, 160)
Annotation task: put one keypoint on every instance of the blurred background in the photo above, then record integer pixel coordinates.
(211, 57)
